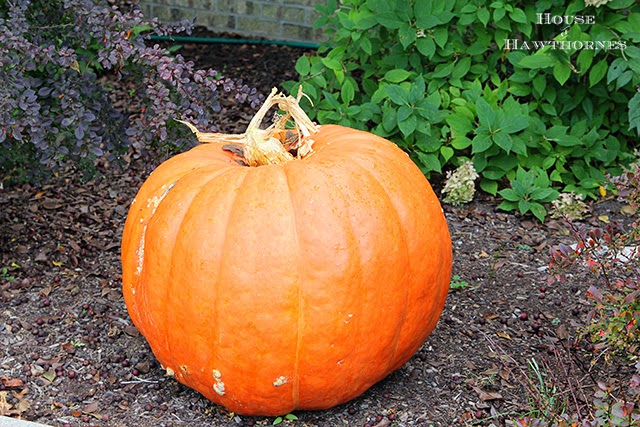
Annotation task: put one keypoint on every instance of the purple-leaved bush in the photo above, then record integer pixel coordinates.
(54, 110)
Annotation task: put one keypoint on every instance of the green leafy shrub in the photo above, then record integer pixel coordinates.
(491, 82)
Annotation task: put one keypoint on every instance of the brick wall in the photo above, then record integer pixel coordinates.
(273, 19)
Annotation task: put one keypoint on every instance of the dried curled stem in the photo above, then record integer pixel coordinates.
(265, 146)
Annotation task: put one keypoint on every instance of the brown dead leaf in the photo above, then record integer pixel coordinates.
(504, 373)
(69, 348)
(5, 407)
(11, 382)
(42, 256)
(383, 423)
(504, 335)
(485, 395)
(51, 204)
(50, 375)
(562, 332)
(90, 408)
(483, 254)
(131, 331)
(22, 406)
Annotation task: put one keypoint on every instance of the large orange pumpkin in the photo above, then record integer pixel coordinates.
(291, 285)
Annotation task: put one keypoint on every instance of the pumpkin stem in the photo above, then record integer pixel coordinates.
(267, 146)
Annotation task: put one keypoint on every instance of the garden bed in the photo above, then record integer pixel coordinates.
(71, 356)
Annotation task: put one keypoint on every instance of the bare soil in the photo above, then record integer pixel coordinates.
(70, 356)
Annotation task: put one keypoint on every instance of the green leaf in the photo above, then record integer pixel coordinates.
(407, 35)
(561, 72)
(408, 126)
(486, 115)
(544, 194)
(480, 143)
(503, 140)
(489, 186)
(446, 152)
(426, 22)
(513, 124)
(538, 211)
(303, 66)
(469, 8)
(521, 187)
(460, 142)
(518, 15)
(524, 206)
(585, 58)
(426, 46)
(539, 85)
(634, 112)
(397, 75)
(509, 194)
(459, 124)
(441, 35)
(537, 60)
(597, 72)
(389, 119)
(365, 45)
(476, 49)
(397, 94)
(624, 79)
(389, 20)
(347, 93)
(430, 161)
(507, 205)
(332, 64)
(484, 15)
(443, 70)
(404, 112)
(461, 68)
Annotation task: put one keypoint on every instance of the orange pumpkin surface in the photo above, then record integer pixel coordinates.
(286, 286)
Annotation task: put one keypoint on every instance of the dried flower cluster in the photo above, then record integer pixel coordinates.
(459, 186)
(53, 108)
(570, 206)
(596, 3)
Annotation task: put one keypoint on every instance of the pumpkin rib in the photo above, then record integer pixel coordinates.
(341, 177)
(315, 199)
(361, 285)
(169, 288)
(295, 393)
(407, 172)
(170, 308)
(374, 182)
(405, 245)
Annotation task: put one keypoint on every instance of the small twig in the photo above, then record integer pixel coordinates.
(139, 381)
